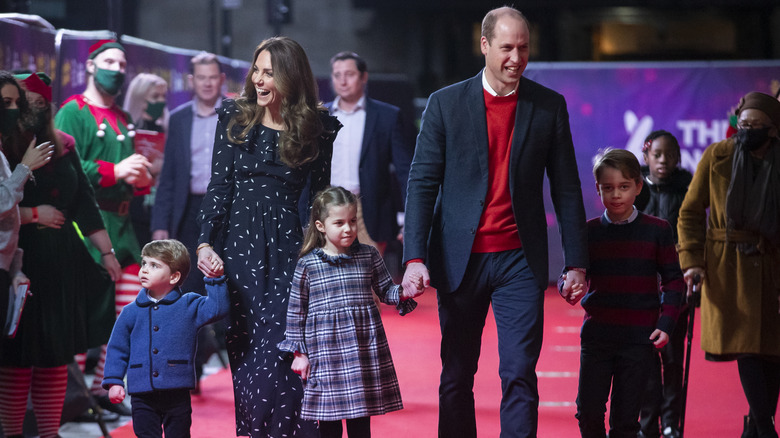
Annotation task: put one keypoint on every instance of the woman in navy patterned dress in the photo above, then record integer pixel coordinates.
(271, 143)
(334, 329)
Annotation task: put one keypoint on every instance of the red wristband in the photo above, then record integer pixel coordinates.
(34, 215)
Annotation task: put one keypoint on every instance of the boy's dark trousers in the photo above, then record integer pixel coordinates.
(624, 368)
(663, 396)
(156, 411)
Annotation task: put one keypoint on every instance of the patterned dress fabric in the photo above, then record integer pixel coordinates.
(250, 215)
(333, 319)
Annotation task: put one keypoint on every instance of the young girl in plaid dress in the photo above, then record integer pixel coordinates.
(333, 326)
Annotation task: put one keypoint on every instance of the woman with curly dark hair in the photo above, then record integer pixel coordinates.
(273, 148)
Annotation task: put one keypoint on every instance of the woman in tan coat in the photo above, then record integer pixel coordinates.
(736, 251)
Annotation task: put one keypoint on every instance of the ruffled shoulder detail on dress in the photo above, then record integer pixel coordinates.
(227, 109)
(330, 125)
(332, 259)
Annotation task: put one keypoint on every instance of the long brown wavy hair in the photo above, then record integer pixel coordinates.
(298, 143)
(331, 196)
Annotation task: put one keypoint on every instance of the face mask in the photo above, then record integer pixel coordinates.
(751, 139)
(110, 81)
(41, 120)
(10, 121)
(155, 109)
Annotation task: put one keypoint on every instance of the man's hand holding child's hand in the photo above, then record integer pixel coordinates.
(574, 286)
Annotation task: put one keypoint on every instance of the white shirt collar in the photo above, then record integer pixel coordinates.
(630, 219)
(361, 105)
(490, 89)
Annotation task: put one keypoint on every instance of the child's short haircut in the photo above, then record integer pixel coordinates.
(171, 252)
(619, 159)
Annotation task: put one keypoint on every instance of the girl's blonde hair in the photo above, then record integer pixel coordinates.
(331, 196)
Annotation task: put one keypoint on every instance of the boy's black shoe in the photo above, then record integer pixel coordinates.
(90, 416)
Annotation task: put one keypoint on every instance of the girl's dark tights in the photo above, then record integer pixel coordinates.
(760, 377)
(356, 428)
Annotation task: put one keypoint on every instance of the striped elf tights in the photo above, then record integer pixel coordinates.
(46, 387)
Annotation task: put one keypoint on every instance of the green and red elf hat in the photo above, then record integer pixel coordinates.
(36, 82)
(103, 45)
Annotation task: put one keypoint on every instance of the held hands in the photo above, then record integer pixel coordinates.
(301, 366)
(134, 170)
(116, 394)
(416, 279)
(37, 156)
(209, 263)
(574, 286)
(659, 338)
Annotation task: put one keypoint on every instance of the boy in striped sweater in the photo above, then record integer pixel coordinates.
(631, 254)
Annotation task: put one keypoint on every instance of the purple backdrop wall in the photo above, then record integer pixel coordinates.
(619, 104)
(23, 46)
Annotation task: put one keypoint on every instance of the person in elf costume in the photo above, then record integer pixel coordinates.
(104, 140)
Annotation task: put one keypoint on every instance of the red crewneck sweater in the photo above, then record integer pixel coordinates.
(497, 227)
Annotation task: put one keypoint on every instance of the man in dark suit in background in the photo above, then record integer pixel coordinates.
(371, 154)
(475, 215)
(187, 163)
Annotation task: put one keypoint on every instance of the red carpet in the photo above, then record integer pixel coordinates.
(715, 400)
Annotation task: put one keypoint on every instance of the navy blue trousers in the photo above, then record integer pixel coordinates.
(503, 280)
(154, 412)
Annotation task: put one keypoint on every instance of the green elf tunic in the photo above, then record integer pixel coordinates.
(104, 137)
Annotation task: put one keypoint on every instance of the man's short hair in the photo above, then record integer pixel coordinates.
(204, 58)
(491, 18)
(343, 56)
(171, 252)
(620, 159)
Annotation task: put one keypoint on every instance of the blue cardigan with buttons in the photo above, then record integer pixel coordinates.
(154, 343)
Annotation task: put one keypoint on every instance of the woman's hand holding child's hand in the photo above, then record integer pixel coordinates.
(659, 338)
(116, 394)
(209, 263)
(301, 365)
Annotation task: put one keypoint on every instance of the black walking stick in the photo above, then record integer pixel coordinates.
(693, 303)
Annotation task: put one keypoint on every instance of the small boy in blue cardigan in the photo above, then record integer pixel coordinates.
(154, 341)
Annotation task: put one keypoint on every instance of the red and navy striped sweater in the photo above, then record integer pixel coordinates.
(626, 263)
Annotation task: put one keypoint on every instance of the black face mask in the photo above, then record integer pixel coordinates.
(751, 139)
